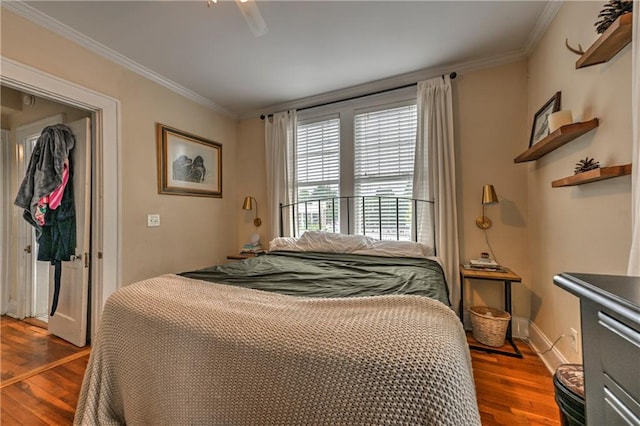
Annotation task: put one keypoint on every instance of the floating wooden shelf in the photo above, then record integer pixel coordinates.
(593, 175)
(556, 139)
(616, 37)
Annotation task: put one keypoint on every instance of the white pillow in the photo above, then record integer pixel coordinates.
(283, 244)
(324, 242)
(392, 248)
(328, 242)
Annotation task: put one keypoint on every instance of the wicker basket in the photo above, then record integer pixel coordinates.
(489, 325)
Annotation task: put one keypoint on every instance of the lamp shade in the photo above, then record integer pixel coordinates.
(488, 195)
(248, 203)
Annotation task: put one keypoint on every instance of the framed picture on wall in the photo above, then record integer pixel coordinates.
(188, 164)
(540, 128)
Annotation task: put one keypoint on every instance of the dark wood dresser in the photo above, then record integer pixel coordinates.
(610, 316)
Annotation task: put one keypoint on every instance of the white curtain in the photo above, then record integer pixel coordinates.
(280, 143)
(434, 176)
(634, 256)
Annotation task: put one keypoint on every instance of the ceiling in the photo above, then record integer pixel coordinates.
(311, 48)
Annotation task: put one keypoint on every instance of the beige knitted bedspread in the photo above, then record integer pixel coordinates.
(176, 351)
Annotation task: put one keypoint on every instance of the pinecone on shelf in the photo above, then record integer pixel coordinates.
(611, 12)
(586, 165)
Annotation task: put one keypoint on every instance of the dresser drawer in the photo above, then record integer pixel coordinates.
(620, 408)
(620, 355)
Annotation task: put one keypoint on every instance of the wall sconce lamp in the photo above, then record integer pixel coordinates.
(488, 197)
(248, 205)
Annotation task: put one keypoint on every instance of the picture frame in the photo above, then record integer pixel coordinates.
(540, 127)
(188, 164)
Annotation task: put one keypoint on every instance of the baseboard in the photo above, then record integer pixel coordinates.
(12, 308)
(520, 328)
(540, 342)
(523, 328)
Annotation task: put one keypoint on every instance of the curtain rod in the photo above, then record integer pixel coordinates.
(452, 76)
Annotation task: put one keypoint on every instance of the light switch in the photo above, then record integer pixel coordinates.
(153, 220)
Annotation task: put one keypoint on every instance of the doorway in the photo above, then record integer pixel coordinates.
(28, 286)
(105, 243)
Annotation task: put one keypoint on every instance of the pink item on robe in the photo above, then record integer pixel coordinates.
(53, 200)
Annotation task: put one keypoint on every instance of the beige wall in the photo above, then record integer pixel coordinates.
(584, 228)
(195, 232)
(252, 180)
(490, 108)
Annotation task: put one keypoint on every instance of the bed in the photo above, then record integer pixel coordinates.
(356, 332)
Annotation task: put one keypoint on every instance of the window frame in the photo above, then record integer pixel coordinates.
(346, 112)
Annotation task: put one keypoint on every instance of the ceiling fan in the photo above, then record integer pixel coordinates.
(252, 15)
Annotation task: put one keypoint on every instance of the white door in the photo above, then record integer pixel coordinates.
(70, 319)
(32, 277)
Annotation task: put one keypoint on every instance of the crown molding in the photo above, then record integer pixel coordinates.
(546, 18)
(45, 21)
(390, 83)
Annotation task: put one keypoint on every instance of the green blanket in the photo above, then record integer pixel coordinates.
(331, 275)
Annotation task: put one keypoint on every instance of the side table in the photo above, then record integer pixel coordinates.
(240, 256)
(507, 276)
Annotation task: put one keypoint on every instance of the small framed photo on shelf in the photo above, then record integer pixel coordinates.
(188, 164)
(540, 128)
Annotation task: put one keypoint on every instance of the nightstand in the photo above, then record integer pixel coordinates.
(507, 276)
(240, 256)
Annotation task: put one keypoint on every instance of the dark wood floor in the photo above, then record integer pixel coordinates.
(513, 391)
(41, 378)
(40, 375)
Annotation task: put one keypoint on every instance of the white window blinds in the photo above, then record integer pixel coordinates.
(384, 149)
(318, 173)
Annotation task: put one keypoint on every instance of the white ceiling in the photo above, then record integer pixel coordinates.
(312, 47)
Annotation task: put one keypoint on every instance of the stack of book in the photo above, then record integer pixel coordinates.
(253, 248)
(484, 264)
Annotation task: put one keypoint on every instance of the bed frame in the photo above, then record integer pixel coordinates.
(305, 208)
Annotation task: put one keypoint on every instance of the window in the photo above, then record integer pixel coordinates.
(384, 149)
(364, 149)
(318, 173)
